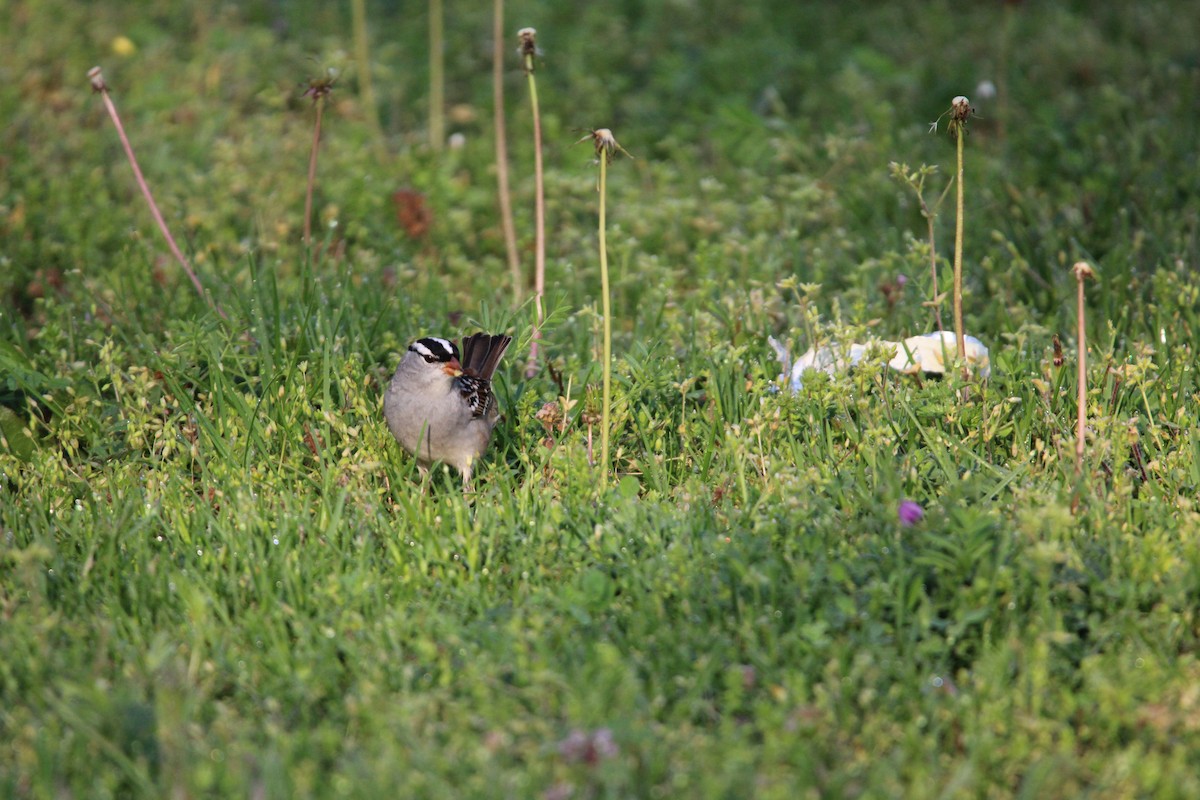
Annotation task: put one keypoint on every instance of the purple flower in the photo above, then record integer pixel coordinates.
(910, 513)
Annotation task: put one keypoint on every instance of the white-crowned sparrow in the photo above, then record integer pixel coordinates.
(440, 407)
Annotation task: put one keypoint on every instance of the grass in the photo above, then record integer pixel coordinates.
(218, 576)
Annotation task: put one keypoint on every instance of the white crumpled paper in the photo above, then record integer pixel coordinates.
(926, 353)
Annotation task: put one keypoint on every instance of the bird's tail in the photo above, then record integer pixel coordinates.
(481, 353)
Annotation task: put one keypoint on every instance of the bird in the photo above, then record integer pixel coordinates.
(440, 406)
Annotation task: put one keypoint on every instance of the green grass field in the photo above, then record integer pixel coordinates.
(220, 576)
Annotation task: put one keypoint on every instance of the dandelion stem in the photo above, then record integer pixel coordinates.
(958, 247)
(101, 87)
(502, 187)
(539, 210)
(606, 146)
(606, 312)
(319, 102)
(1082, 270)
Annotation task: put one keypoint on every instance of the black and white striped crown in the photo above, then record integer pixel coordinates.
(435, 350)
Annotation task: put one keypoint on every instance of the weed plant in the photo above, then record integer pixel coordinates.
(218, 576)
(529, 53)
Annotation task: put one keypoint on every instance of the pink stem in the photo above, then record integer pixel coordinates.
(312, 175)
(99, 85)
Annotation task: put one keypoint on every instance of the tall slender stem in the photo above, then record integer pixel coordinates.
(539, 210)
(437, 76)
(958, 248)
(502, 187)
(100, 86)
(1081, 422)
(1082, 270)
(312, 171)
(362, 57)
(606, 312)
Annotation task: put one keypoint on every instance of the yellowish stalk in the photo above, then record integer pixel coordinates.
(958, 248)
(1082, 270)
(539, 215)
(362, 57)
(312, 172)
(606, 311)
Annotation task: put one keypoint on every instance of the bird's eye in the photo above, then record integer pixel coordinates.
(430, 359)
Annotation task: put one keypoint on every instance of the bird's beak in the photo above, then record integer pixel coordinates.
(453, 368)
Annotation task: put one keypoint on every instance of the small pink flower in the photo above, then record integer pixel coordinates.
(910, 513)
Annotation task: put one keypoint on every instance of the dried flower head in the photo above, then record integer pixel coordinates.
(528, 40)
(527, 46)
(97, 79)
(960, 108)
(1082, 270)
(960, 111)
(605, 143)
(321, 87)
